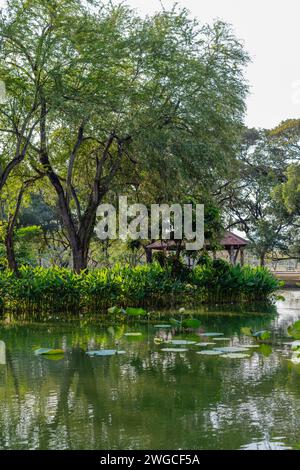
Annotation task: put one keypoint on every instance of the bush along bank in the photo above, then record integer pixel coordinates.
(151, 285)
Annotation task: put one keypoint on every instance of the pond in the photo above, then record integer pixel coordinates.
(148, 398)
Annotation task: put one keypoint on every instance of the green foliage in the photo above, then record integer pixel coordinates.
(192, 323)
(49, 351)
(294, 330)
(204, 260)
(135, 311)
(148, 285)
(263, 335)
(108, 82)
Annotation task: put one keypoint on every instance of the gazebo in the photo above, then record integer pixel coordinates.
(232, 243)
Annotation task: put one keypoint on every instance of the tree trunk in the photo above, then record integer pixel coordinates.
(80, 257)
(262, 259)
(9, 237)
(79, 231)
(10, 252)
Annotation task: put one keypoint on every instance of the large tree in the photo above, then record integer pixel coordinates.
(116, 95)
(248, 195)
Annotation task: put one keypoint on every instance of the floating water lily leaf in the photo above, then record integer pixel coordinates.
(235, 355)
(133, 333)
(105, 352)
(162, 326)
(204, 344)
(295, 358)
(210, 352)
(246, 331)
(251, 346)
(114, 310)
(175, 322)
(48, 351)
(158, 340)
(135, 311)
(182, 341)
(294, 330)
(221, 339)
(212, 334)
(262, 335)
(231, 349)
(174, 350)
(193, 323)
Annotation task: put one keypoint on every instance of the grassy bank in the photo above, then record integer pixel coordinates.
(147, 286)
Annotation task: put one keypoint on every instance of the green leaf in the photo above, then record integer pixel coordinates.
(104, 352)
(135, 311)
(48, 351)
(191, 323)
(294, 330)
(114, 310)
(262, 335)
(246, 331)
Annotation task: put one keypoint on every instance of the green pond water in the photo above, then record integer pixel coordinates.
(147, 398)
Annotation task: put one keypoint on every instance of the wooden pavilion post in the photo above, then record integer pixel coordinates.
(242, 256)
(231, 254)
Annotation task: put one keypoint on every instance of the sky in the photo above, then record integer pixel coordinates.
(269, 30)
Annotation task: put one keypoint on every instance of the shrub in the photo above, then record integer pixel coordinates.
(149, 285)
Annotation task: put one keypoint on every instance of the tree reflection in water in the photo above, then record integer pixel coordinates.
(145, 398)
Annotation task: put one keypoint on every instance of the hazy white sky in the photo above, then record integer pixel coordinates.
(271, 34)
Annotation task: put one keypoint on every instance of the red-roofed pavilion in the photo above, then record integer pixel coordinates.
(231, 242)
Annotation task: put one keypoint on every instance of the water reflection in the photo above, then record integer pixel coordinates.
(147, 398)
(2, 353)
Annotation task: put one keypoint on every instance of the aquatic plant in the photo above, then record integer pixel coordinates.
(129, 290)
(294, 330)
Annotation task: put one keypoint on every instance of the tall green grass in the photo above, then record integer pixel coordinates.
(59, 289)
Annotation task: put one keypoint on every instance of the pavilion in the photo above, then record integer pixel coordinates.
(232, 243)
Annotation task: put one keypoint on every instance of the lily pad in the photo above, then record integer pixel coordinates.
(162, 326)
(210, 352)
(294, 330)
(48, 351)
(262, 335)
(174, 350)
(251, 346)
(204, 344)
(246, 331)
(212, 334)
(182, 341)
(231, 349)
(158, 340)
(175, 322)
(192, 323)
(221, 339)
(135, 311)
(295, 359)
(105, 352)
(114, 310)
(133, 333)
(236, 356)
